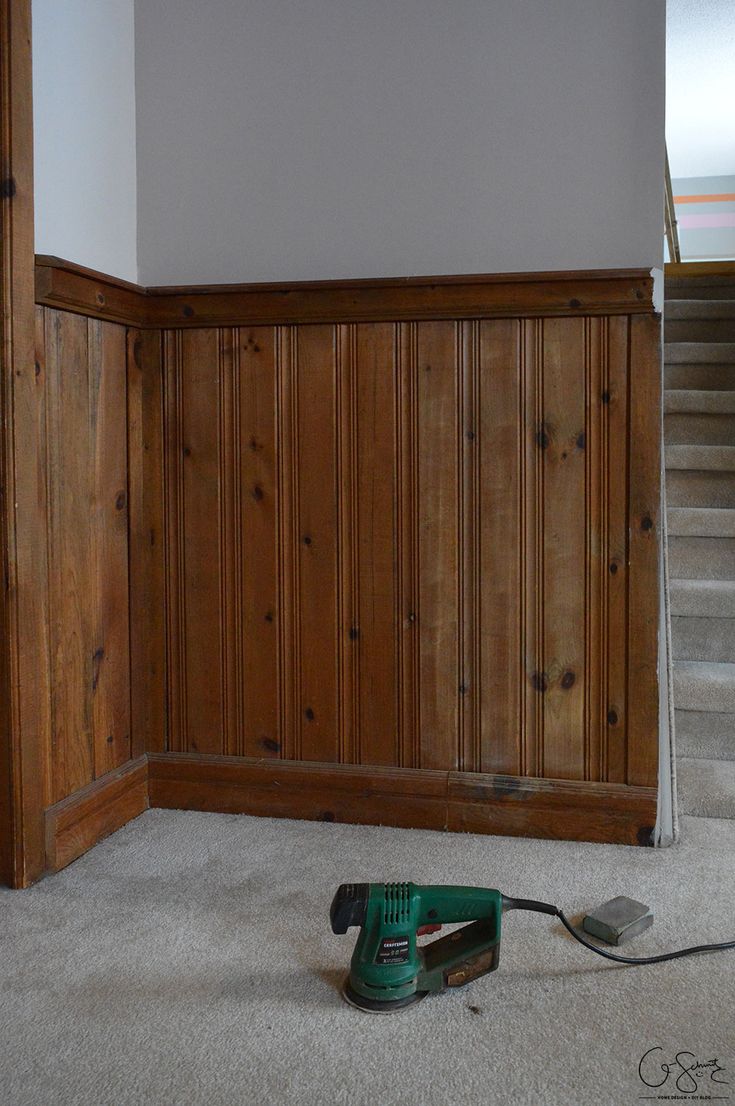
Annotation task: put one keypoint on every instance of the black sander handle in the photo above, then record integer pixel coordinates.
(349, 906)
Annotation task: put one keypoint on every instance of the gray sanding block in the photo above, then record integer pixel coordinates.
(618, 920)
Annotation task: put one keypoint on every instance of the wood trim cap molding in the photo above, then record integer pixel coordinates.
(71, 287)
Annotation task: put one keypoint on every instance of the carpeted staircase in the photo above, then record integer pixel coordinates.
(699, 431)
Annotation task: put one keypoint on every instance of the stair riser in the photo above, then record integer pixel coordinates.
(699, 309)
(704, 734)
(703, 639)
(699, 289)
(706, 378)
(702, 599)
(685, 429)
(690, 694)
(699, 330)
(702, 558)
(680, 401)
(699, 353)
(700, 489)
(700, 458)
(706, 789)
(700, 522)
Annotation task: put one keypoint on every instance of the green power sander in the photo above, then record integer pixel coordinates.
(390, 971)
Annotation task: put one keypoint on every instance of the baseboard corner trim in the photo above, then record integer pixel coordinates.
(78, 822)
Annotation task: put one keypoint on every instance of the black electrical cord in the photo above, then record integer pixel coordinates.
(547, 908)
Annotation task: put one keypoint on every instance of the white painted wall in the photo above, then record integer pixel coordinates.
(308, 139)
(700, 87)
(84, 124)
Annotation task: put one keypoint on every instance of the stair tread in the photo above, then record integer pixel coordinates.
(699, 401)
(701, 522)
(721, 457)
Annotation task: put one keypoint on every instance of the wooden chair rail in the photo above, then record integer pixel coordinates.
(71, 287)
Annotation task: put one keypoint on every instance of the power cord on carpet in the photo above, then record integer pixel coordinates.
(547, 908)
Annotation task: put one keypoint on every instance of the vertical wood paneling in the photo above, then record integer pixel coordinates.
(108, 581)
(468, 449)
(202, 506)
(84, 365)
(439, 480)
(257, 647)
(501, 433)
(70, 462)
(317, 737)
(644, 489)
(615, 564)
(348, 529)
(403, 544)
(564, 449)
(595, 438)
(289, 623)
(375, 639)
(230, 551)
(25, 722)
(175, 544)
(43, 583)
(146, 537)
(533, 535)
(407, 532)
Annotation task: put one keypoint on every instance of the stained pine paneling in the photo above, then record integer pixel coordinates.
(146, 543)
(613, 630)
(107, 347)
(85, 367)
(405, 544)
(316, 507)
(372, 640)
(562, 452)
(74, 649)
(499, 431)
(255, 598)
(439, 553)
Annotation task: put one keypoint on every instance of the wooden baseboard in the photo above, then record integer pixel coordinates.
(357, 794)
(457, 801)
(79, 822)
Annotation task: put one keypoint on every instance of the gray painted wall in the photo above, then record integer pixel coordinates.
(84, 124)
(310, 139)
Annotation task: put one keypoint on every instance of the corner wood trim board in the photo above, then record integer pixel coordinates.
(419, 799)
(79, 822)
(70, 287)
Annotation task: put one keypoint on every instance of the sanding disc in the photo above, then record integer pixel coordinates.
(378, 1006)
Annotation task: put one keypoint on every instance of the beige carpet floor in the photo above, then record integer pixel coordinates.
(188, 961)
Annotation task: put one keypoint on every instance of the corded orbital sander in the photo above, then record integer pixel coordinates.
(390, 971)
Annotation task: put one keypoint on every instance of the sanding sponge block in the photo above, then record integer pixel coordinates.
(618, 920)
